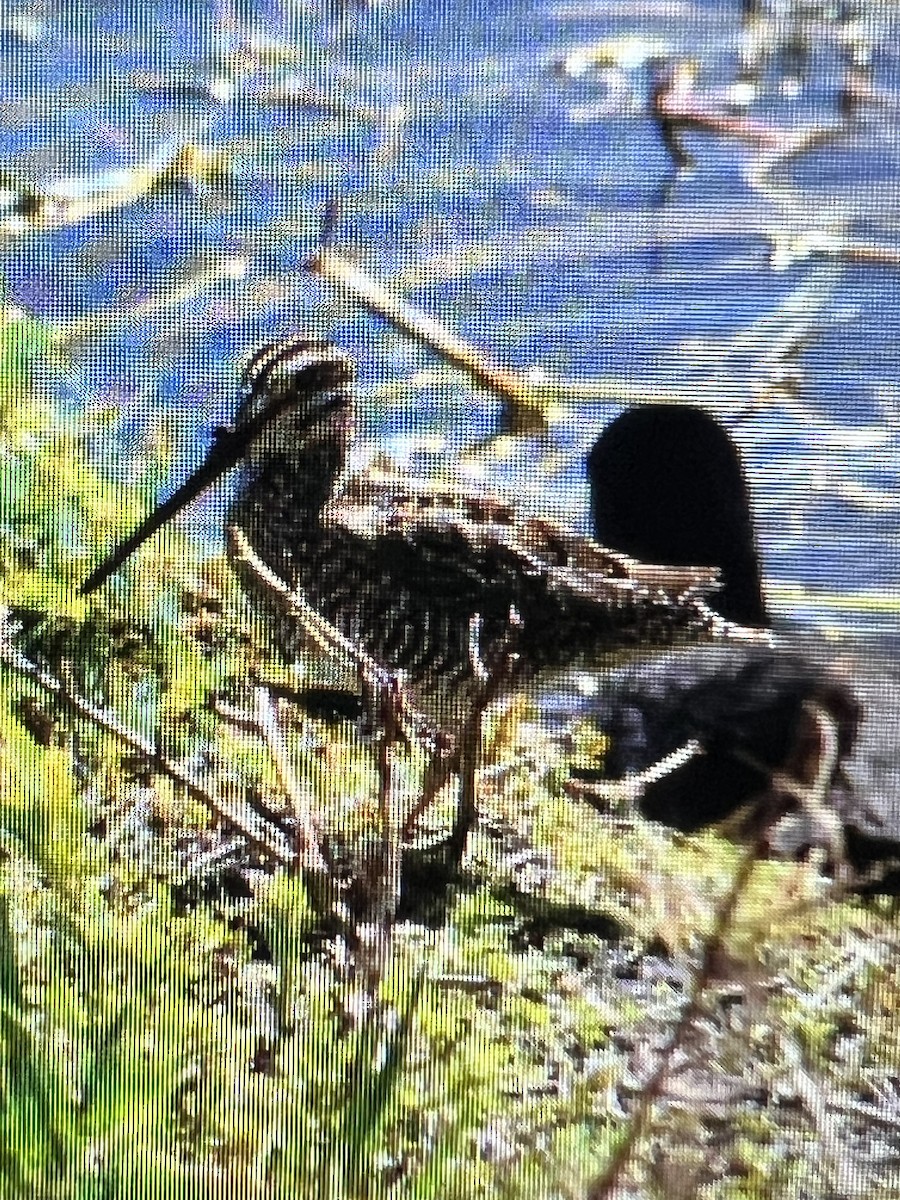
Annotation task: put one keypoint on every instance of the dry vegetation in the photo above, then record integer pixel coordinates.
(597, 1009)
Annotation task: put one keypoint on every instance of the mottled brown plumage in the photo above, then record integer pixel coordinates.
(409, 568)
(454, 587)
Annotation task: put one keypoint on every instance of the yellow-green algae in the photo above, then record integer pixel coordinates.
(128, 1032)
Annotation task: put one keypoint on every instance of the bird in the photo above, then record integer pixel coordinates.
(451, 587)
(796, 736)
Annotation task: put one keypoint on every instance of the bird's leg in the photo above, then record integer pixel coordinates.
(467, 808)
(386, 709)
(443, 760)
(490, 672)
(387, 712)
(470, 744)
(382, 698)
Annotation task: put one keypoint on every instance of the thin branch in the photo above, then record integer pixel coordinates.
(258, 832)
(201, 864)
(627, 791)
(71, 201)
(476, 661)
(264, 722)
(438, 771)
(813, 798)
(526, 412)
(529, 396)
(472, 985)
(107, 321)
(311, 856)
(602, 1187)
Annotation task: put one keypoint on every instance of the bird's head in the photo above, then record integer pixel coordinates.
(295, 392)
(296, 402)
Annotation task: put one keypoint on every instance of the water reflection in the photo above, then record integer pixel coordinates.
(505, 169)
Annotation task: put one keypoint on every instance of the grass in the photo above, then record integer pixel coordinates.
(167, 1032)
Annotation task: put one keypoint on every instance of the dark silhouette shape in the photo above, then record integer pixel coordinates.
(667, 485)
(772, 723)
(748, 709)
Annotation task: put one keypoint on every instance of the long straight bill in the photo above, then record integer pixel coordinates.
(224, 454)
(320, 366)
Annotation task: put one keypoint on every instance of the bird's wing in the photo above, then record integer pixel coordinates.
(372, 506)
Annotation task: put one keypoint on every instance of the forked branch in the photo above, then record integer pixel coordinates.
(604, 1186)
(255, 829)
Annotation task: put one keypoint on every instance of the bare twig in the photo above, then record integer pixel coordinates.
(258, 832)
(531, 396)
(72, 201)
(603, 1186)
(438, 771)
(813, 798)
(264, 722)
(627, 791)
(786, 145)
(472, 985)
(200, 864)
(476, 661)
(526, 412)
(311, 856)
(107, 321)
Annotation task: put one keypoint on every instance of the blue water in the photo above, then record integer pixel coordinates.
(517, 201)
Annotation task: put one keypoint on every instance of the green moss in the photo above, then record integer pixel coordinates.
(224, 1051)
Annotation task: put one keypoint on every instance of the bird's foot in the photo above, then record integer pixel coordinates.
(491, 668)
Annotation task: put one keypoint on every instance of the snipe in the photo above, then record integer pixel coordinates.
(448, 585)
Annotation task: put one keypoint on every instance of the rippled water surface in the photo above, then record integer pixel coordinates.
(514, 185)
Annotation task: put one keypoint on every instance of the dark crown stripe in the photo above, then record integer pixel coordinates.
(270, 357)
(266, 358)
